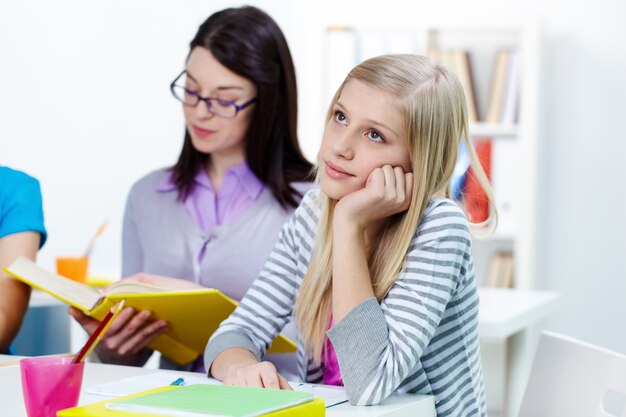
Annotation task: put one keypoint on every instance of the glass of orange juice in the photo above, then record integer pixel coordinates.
(73, 267)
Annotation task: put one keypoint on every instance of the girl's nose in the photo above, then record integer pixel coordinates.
(343, 145)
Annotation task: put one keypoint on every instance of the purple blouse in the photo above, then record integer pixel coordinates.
(203, 242)
(239, 190)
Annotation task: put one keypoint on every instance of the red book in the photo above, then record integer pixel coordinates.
(475, 199)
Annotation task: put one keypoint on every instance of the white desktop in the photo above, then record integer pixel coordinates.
(507, 318)
(406, 405)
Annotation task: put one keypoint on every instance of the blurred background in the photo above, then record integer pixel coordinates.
(85, 107)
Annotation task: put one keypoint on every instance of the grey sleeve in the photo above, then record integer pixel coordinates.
(378, 344)
(228, 340)
(132, 252)
(360, 340)
(267, 306)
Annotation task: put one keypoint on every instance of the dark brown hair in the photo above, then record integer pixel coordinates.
(249, 43)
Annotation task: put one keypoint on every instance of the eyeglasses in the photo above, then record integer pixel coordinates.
(217, 106)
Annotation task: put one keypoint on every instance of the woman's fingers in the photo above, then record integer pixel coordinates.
(90, 325)
(143, 337)
(134, 333)
(397, 186)
(390, 178)
(260, 375)
(376, 179)
(283, 384)
(399, 180)
(270, 380)
(408, 187)
(127, 327)
(387, 191)
(120, 322)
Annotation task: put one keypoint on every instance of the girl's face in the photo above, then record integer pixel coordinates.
(364, 133)
(219, 136)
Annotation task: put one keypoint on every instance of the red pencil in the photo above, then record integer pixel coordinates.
(97, 335)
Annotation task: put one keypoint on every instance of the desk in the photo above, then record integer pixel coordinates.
(508, 337)
(95, 373)
(506, 320)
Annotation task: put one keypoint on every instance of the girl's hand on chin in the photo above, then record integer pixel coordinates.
(387, 191)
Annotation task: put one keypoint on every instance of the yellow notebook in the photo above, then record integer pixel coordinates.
(193, 315)
(314, 408)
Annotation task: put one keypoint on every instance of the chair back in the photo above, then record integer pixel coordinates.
(571, 378)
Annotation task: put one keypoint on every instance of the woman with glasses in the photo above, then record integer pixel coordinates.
(212, 219)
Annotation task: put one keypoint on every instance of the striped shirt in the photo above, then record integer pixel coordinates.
(421, 338)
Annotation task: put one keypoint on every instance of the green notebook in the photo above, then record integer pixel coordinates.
(212, 400)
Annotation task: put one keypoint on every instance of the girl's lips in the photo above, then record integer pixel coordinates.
(202, 132)
(334, 171)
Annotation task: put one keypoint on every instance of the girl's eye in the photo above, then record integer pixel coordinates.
(339, 117)
(375, 136)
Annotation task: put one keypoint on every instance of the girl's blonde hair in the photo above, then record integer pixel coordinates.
(432, 103)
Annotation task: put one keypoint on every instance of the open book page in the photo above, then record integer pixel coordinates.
(330, 394)
(134, 287)
(79, 295)
(139, 383)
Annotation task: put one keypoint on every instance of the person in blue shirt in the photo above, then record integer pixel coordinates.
(22, 233)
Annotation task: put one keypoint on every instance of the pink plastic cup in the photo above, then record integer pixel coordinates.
(50, 384)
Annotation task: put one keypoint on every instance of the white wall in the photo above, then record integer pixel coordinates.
(85, 107)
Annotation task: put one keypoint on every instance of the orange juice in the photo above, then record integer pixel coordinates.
(73, 267)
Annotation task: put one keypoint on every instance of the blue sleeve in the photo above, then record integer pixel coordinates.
(20, 204)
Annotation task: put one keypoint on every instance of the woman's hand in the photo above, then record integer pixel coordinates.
(387, 191)
(259, 375)
(130, 332)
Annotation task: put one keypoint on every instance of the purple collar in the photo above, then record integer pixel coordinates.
(245, 178)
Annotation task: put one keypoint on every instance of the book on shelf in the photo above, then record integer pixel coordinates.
(474, 197)
(501, 271)
(463, 68)
(510, 100)
(201, 400)
(192, 315)
(498, 156)
(498, 86)
(465, 185)
(459, 62)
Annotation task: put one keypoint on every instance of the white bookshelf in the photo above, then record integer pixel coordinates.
(481, 40)
(515, 176)
(517, 184)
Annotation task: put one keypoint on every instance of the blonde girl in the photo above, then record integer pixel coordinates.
(376, 266)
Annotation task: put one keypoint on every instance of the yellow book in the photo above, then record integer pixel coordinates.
(311, 408)
(193, 315)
